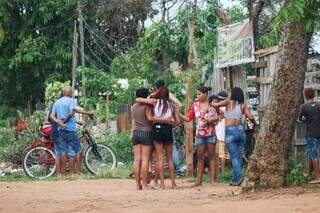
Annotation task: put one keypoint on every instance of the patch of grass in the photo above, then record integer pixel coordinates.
(122, 171)
(17, 176)
(225, 177)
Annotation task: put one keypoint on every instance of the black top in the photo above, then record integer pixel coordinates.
(310, 114)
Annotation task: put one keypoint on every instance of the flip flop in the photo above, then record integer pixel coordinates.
(314, 182)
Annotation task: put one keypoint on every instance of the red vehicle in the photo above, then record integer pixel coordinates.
(39, 158)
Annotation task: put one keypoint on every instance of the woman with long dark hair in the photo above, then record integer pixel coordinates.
(234, 132)
(163, 109)
(205, 117)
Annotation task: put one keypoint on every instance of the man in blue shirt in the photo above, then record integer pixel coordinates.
(63, 113)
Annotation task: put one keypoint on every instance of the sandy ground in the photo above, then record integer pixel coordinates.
(119, 195)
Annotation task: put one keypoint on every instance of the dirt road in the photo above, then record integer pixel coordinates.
(120, 196)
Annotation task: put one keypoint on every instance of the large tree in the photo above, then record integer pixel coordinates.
(296, 23)
(35, 47)
(36, 40)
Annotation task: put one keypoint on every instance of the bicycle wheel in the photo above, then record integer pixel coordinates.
(39, 162)
(181, 154)
(100, 158)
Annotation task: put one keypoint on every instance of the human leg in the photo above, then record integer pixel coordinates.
(231, 143)
(212, 160)
(313, 156)
(168, 148)
(145, 158)
(137, 165)
(159, 162)
(201, 148)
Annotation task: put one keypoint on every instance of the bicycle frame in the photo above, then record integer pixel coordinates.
(86, 138)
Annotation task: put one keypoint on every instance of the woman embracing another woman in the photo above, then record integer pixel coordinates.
(163, 110)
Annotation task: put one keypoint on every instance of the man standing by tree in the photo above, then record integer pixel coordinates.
(63, 114)
(310, 114)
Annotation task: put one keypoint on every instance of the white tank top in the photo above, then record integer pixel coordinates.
(158, 108)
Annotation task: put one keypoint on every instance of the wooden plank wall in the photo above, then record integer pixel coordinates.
(266, 76)
(239, 77)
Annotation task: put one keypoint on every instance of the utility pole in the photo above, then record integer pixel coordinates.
(189, 126)
(82, 47)
(74, 55)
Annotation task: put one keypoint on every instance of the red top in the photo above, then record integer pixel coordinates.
(203, 129)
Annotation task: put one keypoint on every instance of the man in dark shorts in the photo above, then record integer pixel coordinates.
(310, 114)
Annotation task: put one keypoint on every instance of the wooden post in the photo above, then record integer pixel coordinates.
(189, 126)
(82, 47)
(74, 56)
(107, 110)
(123, 118)
(189, 129)
(228, 80)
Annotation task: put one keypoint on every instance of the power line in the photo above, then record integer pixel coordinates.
(63, 24)
(92, 62)
(107, 66)
(93, 52)
(104, 53)
(87, 26)
(114, 49)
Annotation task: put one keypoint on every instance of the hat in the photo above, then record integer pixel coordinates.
(222, 95)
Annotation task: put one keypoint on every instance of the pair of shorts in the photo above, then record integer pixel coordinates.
(70, 142)
(141, 137)
(223, 152)
(312, 144)
(59, 148)
(206, 140)
(162, 133)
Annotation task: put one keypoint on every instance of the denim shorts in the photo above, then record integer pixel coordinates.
(312, 144)
(206, 140)
(71, 142)
(59, 148)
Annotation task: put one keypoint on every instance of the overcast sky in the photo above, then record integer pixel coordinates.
(230, 3)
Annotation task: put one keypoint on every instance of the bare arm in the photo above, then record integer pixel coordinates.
(81, 111)
(220, 104)
(56, 120)
(153, 119)
(301, 116)
(149, 101)
(248, 114)
(184, 118)
(176, 116)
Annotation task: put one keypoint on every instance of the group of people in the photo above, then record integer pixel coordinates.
(64, 133)
(154, 115)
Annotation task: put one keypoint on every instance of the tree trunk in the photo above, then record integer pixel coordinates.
(267, 168)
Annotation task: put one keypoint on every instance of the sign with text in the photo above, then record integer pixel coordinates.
(235, 44)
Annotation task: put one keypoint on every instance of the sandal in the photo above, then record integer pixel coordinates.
(317, 181)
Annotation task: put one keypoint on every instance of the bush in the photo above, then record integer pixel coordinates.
(11, 148)
(121, 145)
(295, 172)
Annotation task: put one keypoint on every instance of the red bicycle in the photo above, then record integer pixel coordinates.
(39, 158)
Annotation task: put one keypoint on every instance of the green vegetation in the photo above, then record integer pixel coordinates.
(295, 173)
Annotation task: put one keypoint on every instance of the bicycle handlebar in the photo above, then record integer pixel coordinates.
(91, 118)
